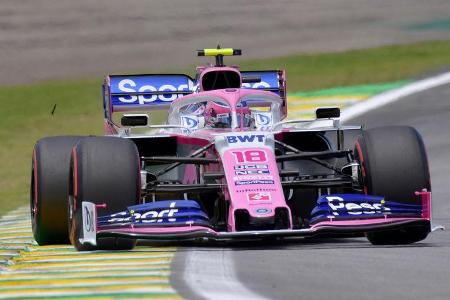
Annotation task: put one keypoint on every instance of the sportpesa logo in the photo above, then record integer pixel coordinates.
(151, 216)
(338, 205)
(158, 85)
(130, 86)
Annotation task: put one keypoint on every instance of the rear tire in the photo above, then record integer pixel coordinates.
(49, 189)
(394, 165)
(104, 170)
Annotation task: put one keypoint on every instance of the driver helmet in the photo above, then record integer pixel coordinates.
(217, 115)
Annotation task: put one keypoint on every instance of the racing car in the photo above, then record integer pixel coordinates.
(226, 165)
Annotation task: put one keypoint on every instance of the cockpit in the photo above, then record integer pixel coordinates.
(210, 111)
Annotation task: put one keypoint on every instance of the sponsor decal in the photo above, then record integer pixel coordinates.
(339, 205)
(252, 172)
(119, 217)
(263, 211)
(251, 167)
(88, 219)
(251, 138)
(256, 190)
(148, 84)
(263, 119)
(260, 196)
(253, 177)
(258, 85)
(245, 182)
(128, 86)
(151, 216)
(190, 122)
(269, 79)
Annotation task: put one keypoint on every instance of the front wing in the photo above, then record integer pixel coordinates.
(199, 233)
(185, 221)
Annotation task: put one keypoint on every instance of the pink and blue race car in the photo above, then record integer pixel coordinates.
(226, 165)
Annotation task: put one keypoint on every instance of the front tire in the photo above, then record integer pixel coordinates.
(394, 165)
(49, 189)
(104, 170)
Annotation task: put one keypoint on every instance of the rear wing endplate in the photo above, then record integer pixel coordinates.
(270, 80)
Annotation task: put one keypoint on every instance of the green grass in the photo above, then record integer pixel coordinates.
(375, 65)
(25, 111)
(25, 114)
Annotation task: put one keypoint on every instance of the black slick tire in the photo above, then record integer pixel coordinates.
(104, 170)
(394, 165)
(49, 189)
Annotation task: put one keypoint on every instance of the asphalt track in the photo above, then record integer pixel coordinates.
(346, 268)
(45, 39)
(49, 39)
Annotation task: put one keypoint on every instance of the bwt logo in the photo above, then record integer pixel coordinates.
(129, 86)
(254, 138)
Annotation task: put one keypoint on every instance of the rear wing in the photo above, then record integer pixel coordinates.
(270, 80)
(139, 92)
(123, 93)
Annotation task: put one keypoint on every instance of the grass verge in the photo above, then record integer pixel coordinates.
(25, 111)
(374, 65)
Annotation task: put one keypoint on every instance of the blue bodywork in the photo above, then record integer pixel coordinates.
(159, 90)
(148, 90)
(160, 213)
(270, 81)
(360, 206)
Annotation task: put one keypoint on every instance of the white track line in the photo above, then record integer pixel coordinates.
(211, 275)
(394, 95)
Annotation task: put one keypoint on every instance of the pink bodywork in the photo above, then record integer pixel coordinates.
(239, 196)
(231, 96)
(261, 194)
(245, 196)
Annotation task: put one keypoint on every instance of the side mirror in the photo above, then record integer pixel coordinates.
(328, 112)
(134, 120)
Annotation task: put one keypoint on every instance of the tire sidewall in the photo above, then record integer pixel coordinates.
(105, 170)
(49, 189)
